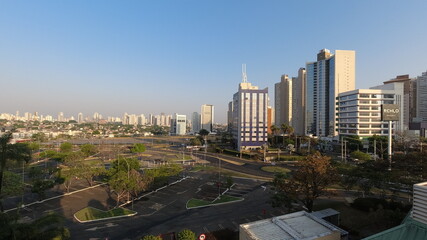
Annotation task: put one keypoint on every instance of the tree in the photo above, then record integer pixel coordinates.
(10, 152)
(66, 147)
(90, 170)
(287, 130)
(284, 194)
(12, 184)
(138, 148)
(309, 182)
(186, 234)
(39, 137)
(125, 178)
(274, 129)
(360, 156)
(151, 237)
(195, 142)
(203, 132)
(88, 149)
(50, 226)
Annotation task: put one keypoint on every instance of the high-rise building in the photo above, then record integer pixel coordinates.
(195, 120)
(96, 117)
(283, 101)
(133, 119)
(422, 98)
(80, 118)
(250, 115)
(298, 103)
(230, 117)
(207, 117)
(330, 75)
(359, 112)
(61, 117)
(397, 88)
(142, 120)
(410, 97)
(270, 119)
(178, 125)
(125, 119)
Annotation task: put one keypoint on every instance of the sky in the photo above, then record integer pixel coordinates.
(173, 56)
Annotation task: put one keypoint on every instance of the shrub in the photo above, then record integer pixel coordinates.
(151, 237)
(186, 235)
(373, 204)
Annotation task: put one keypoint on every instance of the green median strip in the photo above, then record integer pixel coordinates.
(90, 214)
(274, 169)
(196, 203)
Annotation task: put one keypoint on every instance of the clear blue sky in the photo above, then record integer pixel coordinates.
(173, 56)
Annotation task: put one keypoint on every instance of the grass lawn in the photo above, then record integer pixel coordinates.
(90, 213)
(274, 169)
(192, 203)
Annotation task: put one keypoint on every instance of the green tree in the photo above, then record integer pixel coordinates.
(287, 130)
(274, 129)
(10, 152)
(283, 194)
(151, 237)
(360, 156)
(90, 170)
(203, 132)
(34, 146)
(186, 234)
(195, 142)
(66, 147)
(88, 149)
(39, 137)
(49, 226)
(138, 148)
(13, 184)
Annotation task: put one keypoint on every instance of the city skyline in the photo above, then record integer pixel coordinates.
(111, 58)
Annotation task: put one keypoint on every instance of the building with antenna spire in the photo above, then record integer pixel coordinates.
(249, 123)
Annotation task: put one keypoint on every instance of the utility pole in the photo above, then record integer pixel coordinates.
(389, 144)
(375, 149)
(219, 175)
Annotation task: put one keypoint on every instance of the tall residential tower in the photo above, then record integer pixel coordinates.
(330, 75)
(207, 117)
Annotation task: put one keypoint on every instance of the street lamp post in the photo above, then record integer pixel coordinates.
(219, 176)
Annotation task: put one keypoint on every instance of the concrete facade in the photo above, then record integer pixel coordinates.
(330, 75)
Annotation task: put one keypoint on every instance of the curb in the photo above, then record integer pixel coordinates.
(102, 219)
(214, 204)
(59, 196)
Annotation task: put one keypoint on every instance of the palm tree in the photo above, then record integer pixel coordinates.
(285, 129)
(274, 130)
(8, 151)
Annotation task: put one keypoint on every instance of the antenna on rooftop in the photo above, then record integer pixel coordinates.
(244, 76)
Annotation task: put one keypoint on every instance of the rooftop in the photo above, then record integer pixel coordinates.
(298, 225)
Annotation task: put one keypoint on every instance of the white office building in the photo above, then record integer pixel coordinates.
(359, 112)
(179, 124)
(397, 88)
(250, 123)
